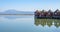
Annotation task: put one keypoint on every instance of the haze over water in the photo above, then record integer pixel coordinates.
(27, 23)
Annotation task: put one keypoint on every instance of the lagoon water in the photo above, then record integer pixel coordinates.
(27, 23)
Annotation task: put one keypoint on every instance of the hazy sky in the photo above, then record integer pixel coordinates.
(29, 5)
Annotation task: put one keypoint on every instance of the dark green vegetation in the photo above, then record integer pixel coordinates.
(48, 22)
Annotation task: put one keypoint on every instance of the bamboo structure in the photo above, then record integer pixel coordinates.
(47, 14)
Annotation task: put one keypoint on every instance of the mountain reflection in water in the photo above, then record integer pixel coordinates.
(48, 22)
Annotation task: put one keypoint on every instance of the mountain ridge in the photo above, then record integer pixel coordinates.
(16, 12)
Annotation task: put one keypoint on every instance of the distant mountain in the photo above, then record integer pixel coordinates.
(16, 12)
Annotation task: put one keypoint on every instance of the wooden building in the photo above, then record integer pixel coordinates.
(47, 14)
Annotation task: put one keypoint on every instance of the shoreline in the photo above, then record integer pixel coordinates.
(17, 14)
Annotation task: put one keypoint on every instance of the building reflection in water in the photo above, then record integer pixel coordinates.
(48, 22)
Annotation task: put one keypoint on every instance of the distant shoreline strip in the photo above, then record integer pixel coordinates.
(16, 14)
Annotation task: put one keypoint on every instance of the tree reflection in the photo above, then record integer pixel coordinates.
(48, 22)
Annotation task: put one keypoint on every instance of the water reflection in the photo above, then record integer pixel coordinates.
(16, 23)
(16, 16)
(48, 22)
(26, 24)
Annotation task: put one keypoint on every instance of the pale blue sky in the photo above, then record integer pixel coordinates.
(29, 5)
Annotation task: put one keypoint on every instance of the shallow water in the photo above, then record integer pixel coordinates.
(27, 23)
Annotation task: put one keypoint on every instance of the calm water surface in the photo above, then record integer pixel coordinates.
(27, 23)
